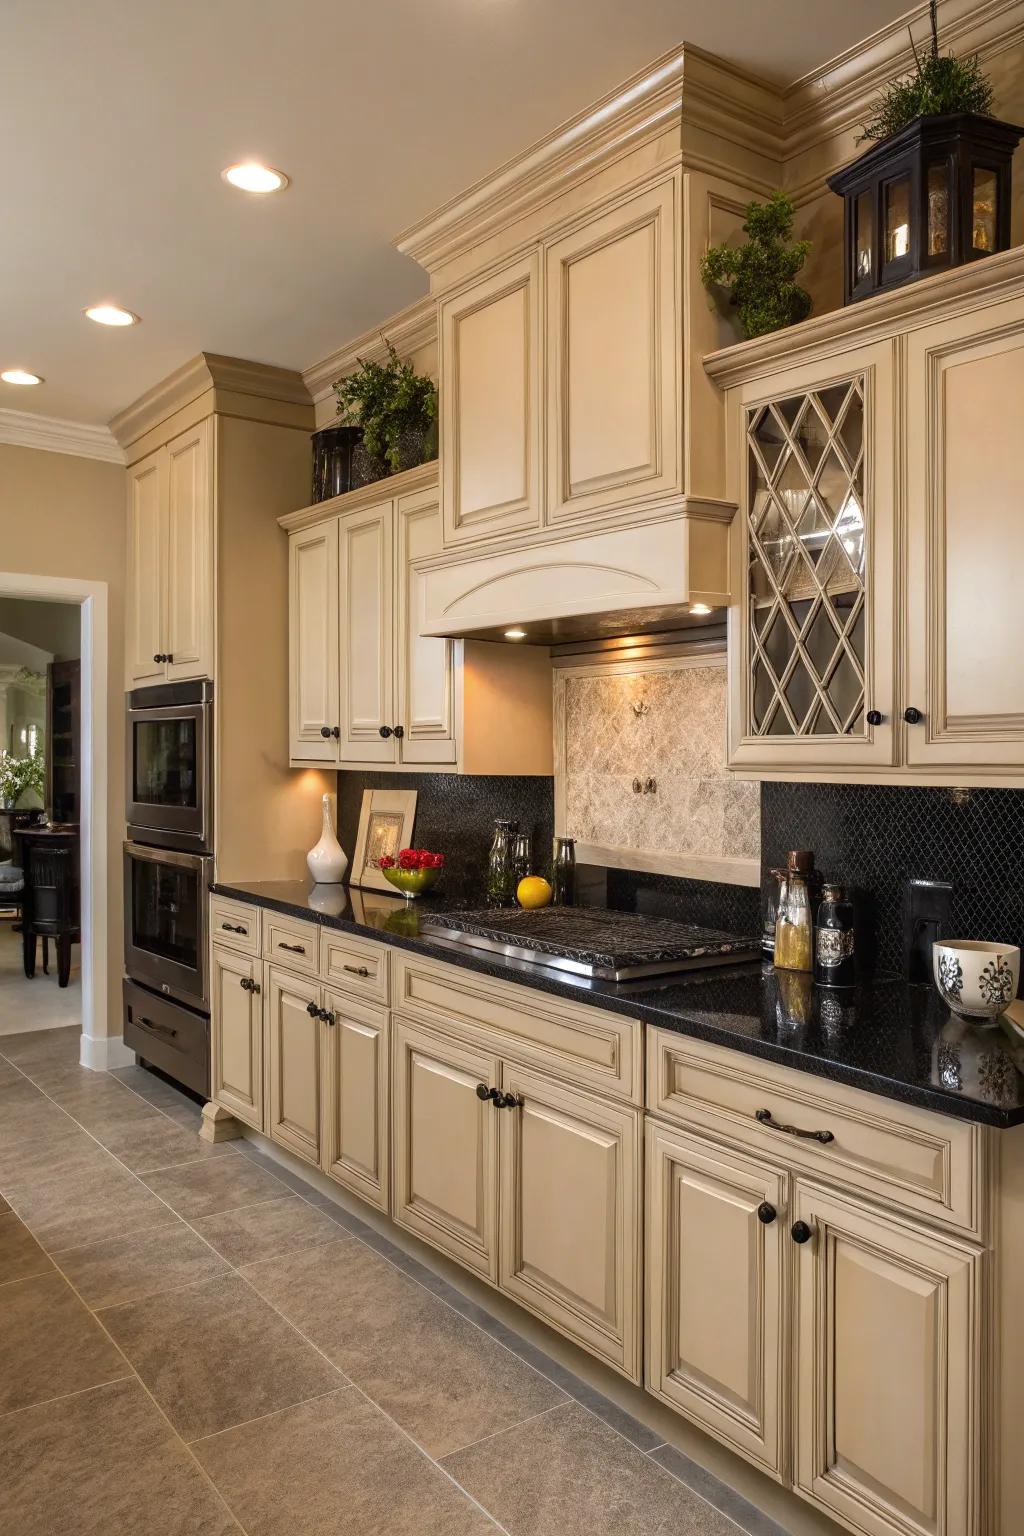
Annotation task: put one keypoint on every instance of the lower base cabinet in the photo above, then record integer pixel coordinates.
(355, 1098)
(531, 1183)
(775, 1302)
(236, 1035)
(294, 1062)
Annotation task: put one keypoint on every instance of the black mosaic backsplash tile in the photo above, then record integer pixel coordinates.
(877, 837)
(455, 815)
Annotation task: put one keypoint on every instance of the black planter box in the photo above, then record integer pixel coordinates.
(932, 197)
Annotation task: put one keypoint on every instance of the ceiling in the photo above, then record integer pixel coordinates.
(117, 117)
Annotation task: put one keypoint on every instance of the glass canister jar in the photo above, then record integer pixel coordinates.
(522, 857)
(834, 959)
(773, 886)
(501, 868)
(794, 926)
(563, 872)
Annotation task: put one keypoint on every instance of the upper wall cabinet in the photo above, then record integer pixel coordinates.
(611, 353)
(170, 560)
(367, 686)
(854, 652)
(490, 412)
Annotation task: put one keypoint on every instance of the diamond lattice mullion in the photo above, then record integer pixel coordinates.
(777, 687)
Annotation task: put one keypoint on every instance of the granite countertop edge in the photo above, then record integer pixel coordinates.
(605, 996)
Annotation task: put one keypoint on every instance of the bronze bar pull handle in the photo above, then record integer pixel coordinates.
(296, 949)
(764, 1116)
(234, 928)
(356, 970)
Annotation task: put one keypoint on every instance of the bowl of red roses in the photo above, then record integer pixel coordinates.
(414, 871)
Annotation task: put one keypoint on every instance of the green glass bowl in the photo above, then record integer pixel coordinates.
(411, 882)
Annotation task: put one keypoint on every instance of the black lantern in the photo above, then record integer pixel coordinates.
(934, 196)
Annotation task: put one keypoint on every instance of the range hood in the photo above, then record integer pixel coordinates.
(664, 572)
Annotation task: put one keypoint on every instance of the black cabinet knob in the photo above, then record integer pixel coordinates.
(399, 731)
(168, 656)
(912, 716)
(326, 1014)
(485, 1093)
(158, 657)
(325, 732)
(874, 717)
(385, 731)
(800, 1232)
(336, 732)
(766, 1212)
(509, 1101)
(313, 1010)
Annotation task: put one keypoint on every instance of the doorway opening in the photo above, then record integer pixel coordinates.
(53, 811)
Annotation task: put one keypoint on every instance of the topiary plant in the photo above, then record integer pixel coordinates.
(390, 401)
(940, 83)
(760, 276)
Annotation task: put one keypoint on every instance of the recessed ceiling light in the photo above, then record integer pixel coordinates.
(110, 314)
(253, 177)
(515, 634)
(699, 608)
(19, 376)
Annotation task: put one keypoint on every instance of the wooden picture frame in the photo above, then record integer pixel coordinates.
(386, 823)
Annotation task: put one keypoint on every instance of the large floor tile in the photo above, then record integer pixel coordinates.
(214, 1355)
(155, 1142)
(567, 1474)
(86, 1203)
(50, 1344)
(103, 1463)
(264, 1231)
(20, 1254)
(27, 1115)
(439, 1377)
(152, 1088)
(43, 1044)
(223, 1184)
(36, 1157)
(335, 1466)
(128, 1268)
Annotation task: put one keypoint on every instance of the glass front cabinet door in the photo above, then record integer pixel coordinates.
(811, 635)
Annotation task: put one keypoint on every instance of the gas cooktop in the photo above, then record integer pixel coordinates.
(612, 946)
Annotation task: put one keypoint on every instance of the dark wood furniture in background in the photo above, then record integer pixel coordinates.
(50, 904)
(63, 741)
(11, 823)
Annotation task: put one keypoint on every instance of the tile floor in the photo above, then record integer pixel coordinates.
(39, 1003)
(193, 1340)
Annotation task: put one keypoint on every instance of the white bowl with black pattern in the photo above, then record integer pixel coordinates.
(975, 979)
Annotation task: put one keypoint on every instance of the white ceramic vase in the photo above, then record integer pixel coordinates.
(328, 861)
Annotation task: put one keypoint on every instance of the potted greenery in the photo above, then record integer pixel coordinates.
(934, 190)
(18, 775)
(396, 409)
(760, 277)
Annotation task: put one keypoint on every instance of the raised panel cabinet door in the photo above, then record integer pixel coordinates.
(612, 346)
(314, 636)
(236, 1035)
(490, 405)
(190, 603)
(424, 675)
(294, 1066)
(965, 547)
(366, 608)
(716, 1290)
(444, 1141)
(812, 656)
(569, 1202)
(355, 1141)
(890, 1361)
(147, 565)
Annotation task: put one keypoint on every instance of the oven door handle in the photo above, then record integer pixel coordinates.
(147, 855)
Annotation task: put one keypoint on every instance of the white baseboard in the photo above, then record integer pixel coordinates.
(104, 1054)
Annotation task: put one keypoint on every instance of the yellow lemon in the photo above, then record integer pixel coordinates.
(533, 892)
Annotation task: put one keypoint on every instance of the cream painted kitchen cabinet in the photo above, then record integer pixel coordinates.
(355, 1097)
(294, 1068)
(889, 1362)
(170, 560)
(716, 1287)
(444, 1143)
(236, 1034)
(491, 370)
(612, 365)
(965, 537)
(367, 687)
(569, 1229)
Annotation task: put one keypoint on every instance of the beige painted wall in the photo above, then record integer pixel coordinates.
(64, 516)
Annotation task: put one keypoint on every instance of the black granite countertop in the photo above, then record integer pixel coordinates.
(889, 1038)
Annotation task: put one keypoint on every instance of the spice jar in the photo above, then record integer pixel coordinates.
(834, 961)
(794, 925)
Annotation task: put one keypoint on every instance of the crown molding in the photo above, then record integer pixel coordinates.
(408, 330)
(49, 434)
(206, 371)
(878, 319)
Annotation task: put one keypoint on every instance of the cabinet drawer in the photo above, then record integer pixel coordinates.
(909, 1158)
(234, 925)
(290, 942)
(587, 1047)
(168, 1036)
(355, 965)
